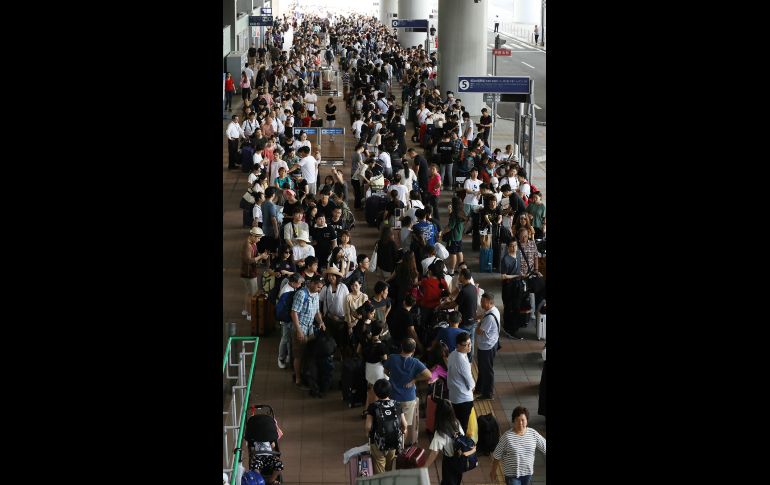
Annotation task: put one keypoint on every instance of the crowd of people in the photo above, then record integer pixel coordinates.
(424, 319)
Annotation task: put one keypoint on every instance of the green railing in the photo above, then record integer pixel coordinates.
(242, 389)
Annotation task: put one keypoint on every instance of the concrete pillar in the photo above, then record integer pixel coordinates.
(527, 11)
(230, 15)
(387, 9)
(413, 10)
(462, 48)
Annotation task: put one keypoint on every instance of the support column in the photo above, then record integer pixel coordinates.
(526, 11)
(387, 9)
(462, 48)
(413, 10)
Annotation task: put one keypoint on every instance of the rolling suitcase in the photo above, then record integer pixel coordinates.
(360, 466)
(375, 205)
(485, 260)
(430, 409)
(412, 457)
(259, 317)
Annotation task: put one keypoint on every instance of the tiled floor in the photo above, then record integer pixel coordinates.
(318, 431)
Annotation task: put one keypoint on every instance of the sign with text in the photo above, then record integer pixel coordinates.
(308, 131)
(267, 11)
(491, 97)
(260, 20)
(501, 52)
(332, 131)
(401, 23)
(493, 84)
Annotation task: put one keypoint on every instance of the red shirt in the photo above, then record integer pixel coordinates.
(229, 85)
(434, 185)
(431, 292)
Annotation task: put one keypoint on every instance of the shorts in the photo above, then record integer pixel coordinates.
(297, 347)
(455, 247)
(409, 408)
(375, 372)
(251, 285)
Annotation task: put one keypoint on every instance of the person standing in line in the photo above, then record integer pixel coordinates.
(234, 134)
(516, 449)
(460, 380)
(404, 371)
(331, 117)
(294, 282)
(249, 261)
(245, 88)
(488, 333)
(306, 320)
(447, 426)
(434, 189)
(537, 34)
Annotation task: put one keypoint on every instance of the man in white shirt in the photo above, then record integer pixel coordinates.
(472, 188)
(234, 134)
(357, 126)
(403, 191)
(250, 125)
(309, 166)
(310, 100)
(387, 166)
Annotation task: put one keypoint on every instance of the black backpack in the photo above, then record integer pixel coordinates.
(489, 433)
(387, 429)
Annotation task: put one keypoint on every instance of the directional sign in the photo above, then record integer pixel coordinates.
(260, 20)
(308, 131)
(493, 84)
(332, 131)
(401, 23)
(267, 11)
(491, 97)
(501, 52)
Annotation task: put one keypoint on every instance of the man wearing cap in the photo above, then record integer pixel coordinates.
(249, 273)
(305, 319)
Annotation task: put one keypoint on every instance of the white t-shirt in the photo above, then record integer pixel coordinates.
(443, 443)
(298, 143)
(385, 158)
(407, 181)
(302, 252)
(471, 186)
(415, 204)
(427, 262)
(310, 101)
(309, 167)
(403, 192)
(357, 128)
(525, 189)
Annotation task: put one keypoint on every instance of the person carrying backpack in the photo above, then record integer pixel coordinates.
(458, 451)
(283, 316)
(386, 425)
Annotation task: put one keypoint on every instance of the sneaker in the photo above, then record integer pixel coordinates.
(244, 312)
(248, 317)
(302, 387)
(281, 364)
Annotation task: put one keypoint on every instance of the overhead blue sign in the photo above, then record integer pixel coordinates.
(399, 24)
(267, 11)
(308, 131)
(260, 20)
(332, 131)
(493, 84)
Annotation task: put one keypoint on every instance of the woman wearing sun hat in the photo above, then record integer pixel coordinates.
(249, 273)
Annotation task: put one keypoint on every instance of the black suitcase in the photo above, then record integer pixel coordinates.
(489, 433)
(353, 382)
(375, 205)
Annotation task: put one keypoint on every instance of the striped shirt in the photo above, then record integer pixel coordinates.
(518, 452)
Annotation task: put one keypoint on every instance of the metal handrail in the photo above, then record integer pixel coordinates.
(242, 389)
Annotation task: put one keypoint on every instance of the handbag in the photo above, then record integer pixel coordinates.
(533, 282)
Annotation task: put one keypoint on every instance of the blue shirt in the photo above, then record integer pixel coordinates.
(306, 306)
(427, 230)
(401, 371)
(490, 324)
(268, 212)
(448, 335)
(459, 378)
